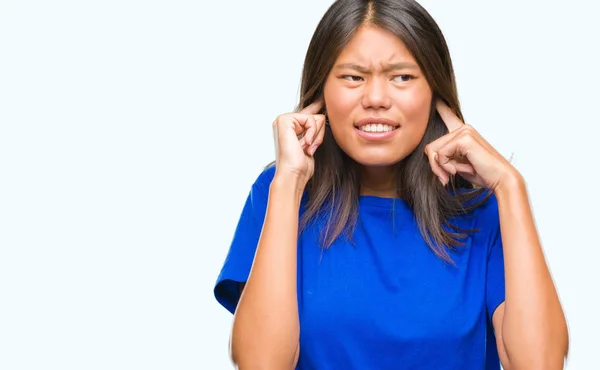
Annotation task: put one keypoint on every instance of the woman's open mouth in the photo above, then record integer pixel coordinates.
(376, 128)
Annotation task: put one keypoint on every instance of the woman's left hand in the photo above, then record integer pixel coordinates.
(464, 152)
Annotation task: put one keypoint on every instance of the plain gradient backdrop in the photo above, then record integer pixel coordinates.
(131, 131)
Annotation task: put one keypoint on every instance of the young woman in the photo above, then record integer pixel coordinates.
(389, 234)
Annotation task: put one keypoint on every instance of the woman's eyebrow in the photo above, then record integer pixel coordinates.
(388, 67)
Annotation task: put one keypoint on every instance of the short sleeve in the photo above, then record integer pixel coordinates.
(240, 256)
(495, 283)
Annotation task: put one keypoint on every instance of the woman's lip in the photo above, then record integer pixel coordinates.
(375, 136)
(376, 120)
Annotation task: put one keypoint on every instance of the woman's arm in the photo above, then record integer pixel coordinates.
(266, 327)
(530, 325)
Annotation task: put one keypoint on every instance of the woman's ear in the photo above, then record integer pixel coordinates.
(324, 109)
(436, 97)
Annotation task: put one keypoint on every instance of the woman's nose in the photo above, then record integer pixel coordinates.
(376, 95)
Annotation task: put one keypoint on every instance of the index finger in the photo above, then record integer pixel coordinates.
(450, 119)
(313, 108)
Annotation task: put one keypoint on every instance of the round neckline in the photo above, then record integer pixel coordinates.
(384, 202)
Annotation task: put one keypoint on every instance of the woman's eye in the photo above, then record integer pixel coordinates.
(352, 78)
(403, 78)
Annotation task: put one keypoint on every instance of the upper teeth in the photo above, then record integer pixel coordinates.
(376, 127)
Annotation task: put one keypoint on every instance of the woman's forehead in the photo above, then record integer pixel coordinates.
(375, 47)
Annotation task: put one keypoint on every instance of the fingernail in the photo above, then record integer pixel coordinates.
(313, 149)
(442, 181)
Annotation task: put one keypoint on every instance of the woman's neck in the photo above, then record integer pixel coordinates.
(379, 181)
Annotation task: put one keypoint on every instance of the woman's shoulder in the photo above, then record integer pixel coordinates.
(488, 207)
(480, 204)
(486, 212)
(265, 176)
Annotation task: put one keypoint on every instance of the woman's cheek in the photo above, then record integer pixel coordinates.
(340, 105)
(415, 106)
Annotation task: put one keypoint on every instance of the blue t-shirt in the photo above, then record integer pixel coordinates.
(386, 301)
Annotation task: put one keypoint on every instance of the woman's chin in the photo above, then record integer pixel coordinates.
(377, 161)
(382, 155)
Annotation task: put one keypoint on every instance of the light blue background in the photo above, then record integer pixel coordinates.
(130, 132)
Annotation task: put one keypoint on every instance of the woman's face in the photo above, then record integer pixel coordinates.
(377, 99)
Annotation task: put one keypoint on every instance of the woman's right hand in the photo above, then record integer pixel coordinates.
(297, 137)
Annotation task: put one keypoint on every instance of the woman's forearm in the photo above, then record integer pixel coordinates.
(534, 330)
(266, 327)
